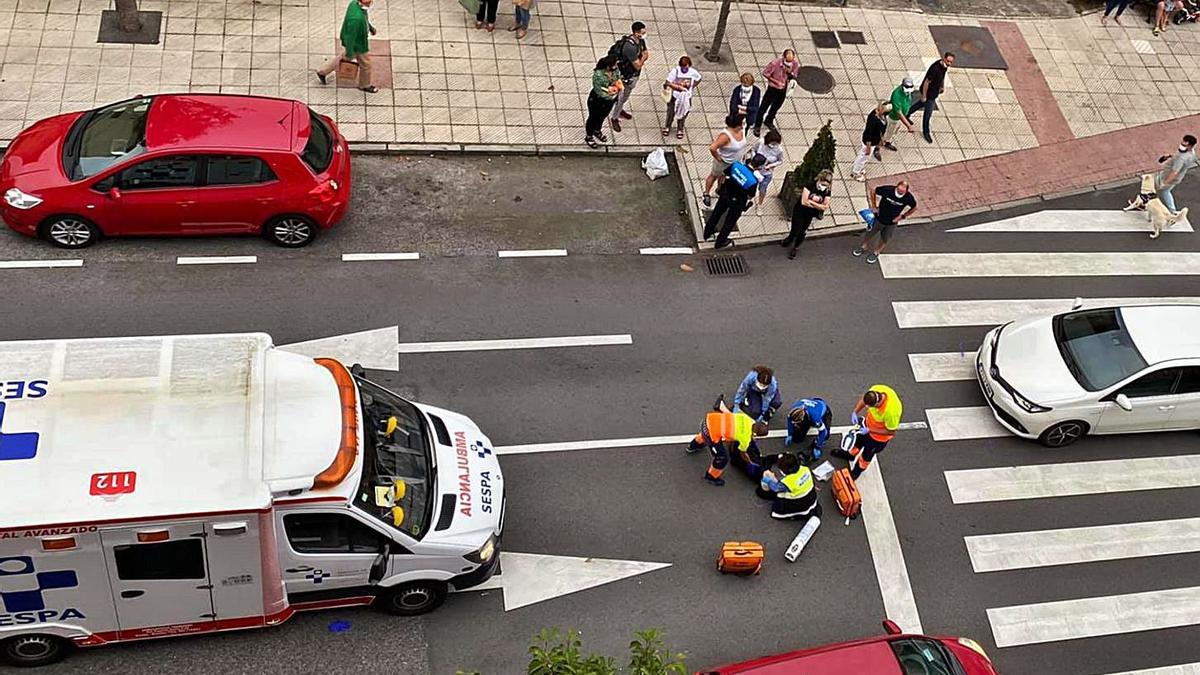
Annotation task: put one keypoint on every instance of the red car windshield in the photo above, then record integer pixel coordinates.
(106, 136)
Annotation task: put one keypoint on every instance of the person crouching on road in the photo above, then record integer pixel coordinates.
(879, 414)
(791, 488)
(758, 394)
(809, 413)
(725, 432)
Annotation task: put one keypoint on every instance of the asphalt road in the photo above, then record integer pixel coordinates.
(824, 322)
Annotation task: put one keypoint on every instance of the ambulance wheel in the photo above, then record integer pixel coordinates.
(418, 597)
(29, 651)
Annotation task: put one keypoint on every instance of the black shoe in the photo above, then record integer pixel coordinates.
(707, 200)
(615, 124)
(625, 116)
(758, 131)
(889, 146)
(692, 448)
(728, 243)
(717, 403)
(591, 142)
(322, 78)
(792, 254)
(876, 154)
(841, 454)
(601, 137)
(785, 243)
(718, 482)
(928, 138)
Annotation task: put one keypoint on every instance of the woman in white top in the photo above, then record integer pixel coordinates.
(727, 148)
(681, 83)
(770, 147)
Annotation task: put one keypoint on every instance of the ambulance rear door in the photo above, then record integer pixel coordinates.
(159, 575)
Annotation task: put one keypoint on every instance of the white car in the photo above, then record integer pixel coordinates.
(1108, 370)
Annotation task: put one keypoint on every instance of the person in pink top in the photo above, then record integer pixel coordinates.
(778, 73)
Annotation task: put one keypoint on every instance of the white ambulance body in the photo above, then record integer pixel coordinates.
(172, 485)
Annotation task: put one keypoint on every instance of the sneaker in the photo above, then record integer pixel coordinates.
(876, 155)
(891, 147)
(692, 450)
(615, 124)
(725, 244)
(625, 116)
(707, 200)
(718, 482)
(858, 251)
(841, 454)
(872, 258)
(860, 177)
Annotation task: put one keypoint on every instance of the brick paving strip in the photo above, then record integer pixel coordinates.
(1058, 168)
(1029, 84)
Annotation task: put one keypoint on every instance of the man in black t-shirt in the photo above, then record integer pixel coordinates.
(931, 87)
(891, 204)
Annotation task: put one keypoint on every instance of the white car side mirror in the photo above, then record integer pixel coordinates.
(1077, 304)
(1123, 403)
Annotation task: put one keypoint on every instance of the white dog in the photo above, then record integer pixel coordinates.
(1145, 194)
(1160, 216)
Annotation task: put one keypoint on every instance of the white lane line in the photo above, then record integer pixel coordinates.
(518, 343)
(1180, 669)
(534, 253)
(1035, 481)
(368, 257)
(943, 366)
(1092, 617)
(899, 604)
(960, 424)
(568, 446)
(944, 265)
(666, 250)
(1053, 220)
(942, 313)
(216, 260)
(39, 264)
(1069, 546)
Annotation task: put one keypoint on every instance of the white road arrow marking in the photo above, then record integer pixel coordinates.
(374, 349)
(1074, 221)
(530, 578)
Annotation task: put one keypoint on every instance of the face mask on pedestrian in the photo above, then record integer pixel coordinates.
(822, 186)
(1183, 147)
(760, 386)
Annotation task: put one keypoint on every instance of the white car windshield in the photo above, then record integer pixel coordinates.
(1097, 348)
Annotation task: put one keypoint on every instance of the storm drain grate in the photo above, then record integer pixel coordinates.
(726, 266)
(852, 37)
(824, 39)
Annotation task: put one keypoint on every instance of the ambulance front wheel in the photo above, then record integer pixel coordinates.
(29, 651)
(418, 597)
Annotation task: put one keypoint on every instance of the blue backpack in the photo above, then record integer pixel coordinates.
(743, 175)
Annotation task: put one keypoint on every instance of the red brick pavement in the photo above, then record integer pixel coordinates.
(1029, 84)
(1046, 169)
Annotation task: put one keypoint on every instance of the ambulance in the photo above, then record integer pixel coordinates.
(164, 486)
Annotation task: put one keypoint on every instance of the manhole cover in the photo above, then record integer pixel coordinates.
(973, 47)
(726, 266)
(852, 37)
(814, 79)
(824, 39)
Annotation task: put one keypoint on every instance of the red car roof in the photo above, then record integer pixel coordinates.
(874, 657)
(205, 121)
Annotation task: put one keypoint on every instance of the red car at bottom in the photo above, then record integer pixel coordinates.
(895, 653)
(178, 164)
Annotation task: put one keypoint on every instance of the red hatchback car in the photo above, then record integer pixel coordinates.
(178, 164)
(895, 653)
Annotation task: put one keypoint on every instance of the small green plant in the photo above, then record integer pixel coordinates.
(553, 653)
(648, 656)
(821, 155)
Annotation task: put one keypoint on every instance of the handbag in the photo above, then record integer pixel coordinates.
(666, 94)
(471, 6)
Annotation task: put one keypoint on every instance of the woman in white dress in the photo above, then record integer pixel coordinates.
(680, 84)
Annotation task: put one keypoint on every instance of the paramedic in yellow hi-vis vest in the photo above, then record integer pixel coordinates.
(726, 432)
(789, 484)
(879, 412)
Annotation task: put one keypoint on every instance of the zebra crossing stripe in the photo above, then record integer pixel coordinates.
(944, 313)
(1180, 669)
(1069, 546)
(1052, 220)
(953, 265)
(943, 366)
(1093, 617)
(1036, 481)
(960, 424)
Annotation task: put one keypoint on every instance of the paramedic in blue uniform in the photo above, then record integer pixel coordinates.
(806, 414)
(758, 394)
(733, 196)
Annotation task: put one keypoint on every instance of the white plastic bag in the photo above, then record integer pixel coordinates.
(655, 164)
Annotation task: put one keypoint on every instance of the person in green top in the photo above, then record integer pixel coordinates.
(901, 101)
(606, 85)
(354, 45)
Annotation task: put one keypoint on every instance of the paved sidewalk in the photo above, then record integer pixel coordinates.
(453, 84)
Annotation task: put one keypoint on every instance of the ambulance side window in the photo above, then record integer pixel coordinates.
(330, 533)
(182, 559)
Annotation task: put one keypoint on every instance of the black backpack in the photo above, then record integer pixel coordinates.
(617, 50)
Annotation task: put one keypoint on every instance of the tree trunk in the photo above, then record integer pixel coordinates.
(714, 52)
(127, 16)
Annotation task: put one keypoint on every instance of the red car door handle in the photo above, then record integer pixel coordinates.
(187, 203)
